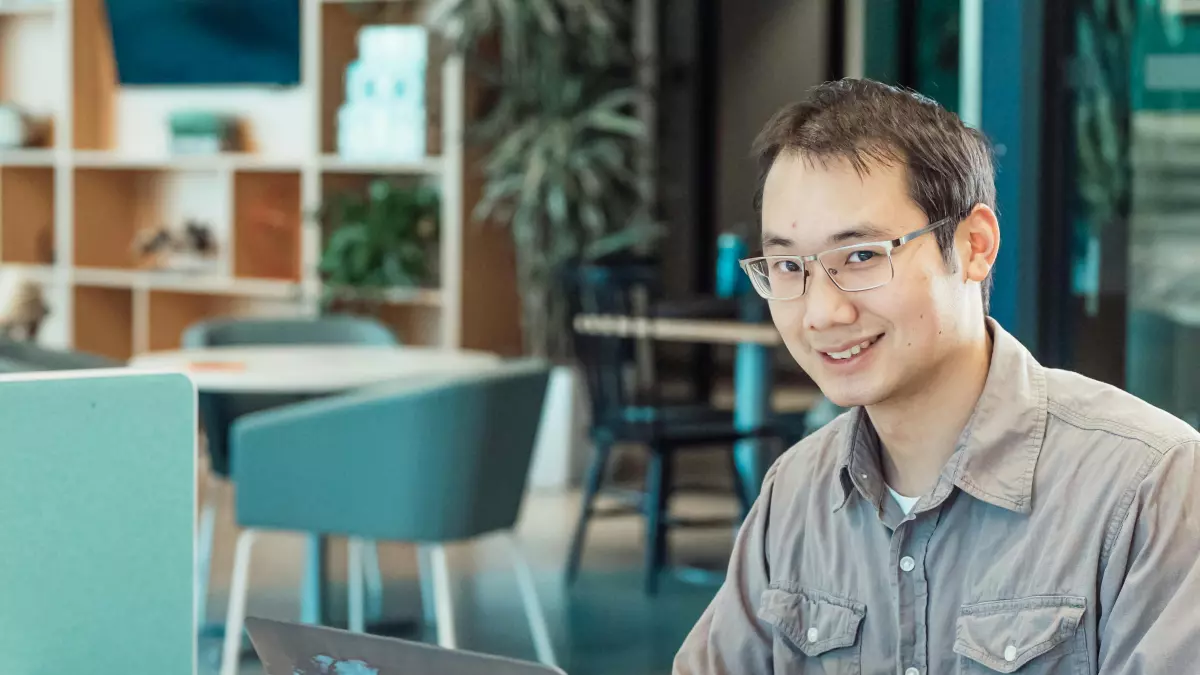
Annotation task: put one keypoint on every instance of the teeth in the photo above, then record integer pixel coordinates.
(853, 351)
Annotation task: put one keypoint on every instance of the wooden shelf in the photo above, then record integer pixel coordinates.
(103, 321)
(115, 179)
(162, 280)
(27, 215)
(267, 225)
(430, 166)
(28, 8)
(27, 157)
(105, 159)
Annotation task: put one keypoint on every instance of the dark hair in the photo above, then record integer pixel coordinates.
(949, 165)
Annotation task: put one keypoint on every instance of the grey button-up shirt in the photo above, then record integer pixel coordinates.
(1063, 536)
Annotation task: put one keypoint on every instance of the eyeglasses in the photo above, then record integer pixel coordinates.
(853, 268)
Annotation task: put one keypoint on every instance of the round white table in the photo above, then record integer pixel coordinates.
(310, 370)
(307, 369)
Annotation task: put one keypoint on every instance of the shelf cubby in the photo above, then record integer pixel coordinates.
(267, 226)
(340, 24)
(27, 215)
(103, 321)
(171, 312)
(112, 206)
(31, 62)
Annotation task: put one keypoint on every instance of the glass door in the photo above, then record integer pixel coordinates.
(1130, 228)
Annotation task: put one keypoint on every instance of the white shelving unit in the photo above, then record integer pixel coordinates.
(69, 210)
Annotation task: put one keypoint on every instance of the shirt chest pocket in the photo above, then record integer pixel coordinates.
(815, 633)
(1039, 635)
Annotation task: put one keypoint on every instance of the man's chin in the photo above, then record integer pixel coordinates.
(845, 396)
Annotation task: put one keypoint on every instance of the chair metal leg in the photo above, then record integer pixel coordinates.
(235, 619)
(443, 599)
(425, 573)
(204, 547)
(374, 580)
(538, 628)
(591, 488)
(655, 506)
(355, 584)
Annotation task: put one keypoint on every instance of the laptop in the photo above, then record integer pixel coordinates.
(302, 649)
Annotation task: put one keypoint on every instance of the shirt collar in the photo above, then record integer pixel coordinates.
(997, 451)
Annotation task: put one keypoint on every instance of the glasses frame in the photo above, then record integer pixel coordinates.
(888, 245)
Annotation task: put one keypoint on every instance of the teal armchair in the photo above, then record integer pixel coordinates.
(434, 462)
(219, 411)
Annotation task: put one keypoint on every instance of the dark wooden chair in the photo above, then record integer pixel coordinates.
(626, 409)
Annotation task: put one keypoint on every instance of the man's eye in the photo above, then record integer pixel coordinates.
(788, 266)
(861, 256)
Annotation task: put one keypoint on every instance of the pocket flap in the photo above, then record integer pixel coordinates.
(813, 621)
(1006, 634)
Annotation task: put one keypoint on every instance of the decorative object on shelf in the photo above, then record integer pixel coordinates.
(193, 249)
(23, 308)
(21, 129)
(565, 142)
(379, 241)
(198, 132)
(383, 117)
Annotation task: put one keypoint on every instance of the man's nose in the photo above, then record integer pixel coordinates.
(826, 306)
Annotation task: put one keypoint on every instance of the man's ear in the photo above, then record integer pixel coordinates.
(978, 242)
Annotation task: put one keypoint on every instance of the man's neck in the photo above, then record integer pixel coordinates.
(918, 432)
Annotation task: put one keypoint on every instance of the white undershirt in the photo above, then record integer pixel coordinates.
(906, 503)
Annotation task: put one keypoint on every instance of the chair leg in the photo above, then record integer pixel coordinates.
(739, 488)
(443, 599)
(655, 507)
(374, 580)
(204, 547)
(355, 584)
(426, 574)
(591, 488)
(235, 619)
(538, 628)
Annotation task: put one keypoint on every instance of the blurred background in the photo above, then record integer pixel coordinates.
(466, 182)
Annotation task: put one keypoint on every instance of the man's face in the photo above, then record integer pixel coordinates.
(906, 329)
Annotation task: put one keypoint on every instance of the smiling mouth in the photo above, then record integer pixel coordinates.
(852, 352)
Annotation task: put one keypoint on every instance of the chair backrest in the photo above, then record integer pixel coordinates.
(327, 330)
(445, 460)
(218, 411)
(609, 363)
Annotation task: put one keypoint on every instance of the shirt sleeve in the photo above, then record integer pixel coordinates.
(729, 639)
(1150, 586)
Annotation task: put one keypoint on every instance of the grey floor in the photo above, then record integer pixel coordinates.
(603, 624)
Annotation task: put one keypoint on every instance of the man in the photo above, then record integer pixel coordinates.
(974, 512)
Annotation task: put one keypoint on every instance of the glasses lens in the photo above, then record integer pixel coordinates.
(858, 268)
(778, 278)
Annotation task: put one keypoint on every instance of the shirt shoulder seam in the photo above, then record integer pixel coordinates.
(1158, 442)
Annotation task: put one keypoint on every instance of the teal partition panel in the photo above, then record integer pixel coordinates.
(97, 513)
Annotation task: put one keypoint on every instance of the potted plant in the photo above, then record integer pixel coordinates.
(564, 144)
(563, 138)
(377, 241)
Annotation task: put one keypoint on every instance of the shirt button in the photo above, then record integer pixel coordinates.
(908, 564)
(912, 671)
(1010, 653)
(813, 634)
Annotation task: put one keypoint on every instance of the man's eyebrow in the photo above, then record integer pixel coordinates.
(856, 232)
(776, 241)
(859, 231)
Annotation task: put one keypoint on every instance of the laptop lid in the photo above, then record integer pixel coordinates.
(302, 649)
(97, 522)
